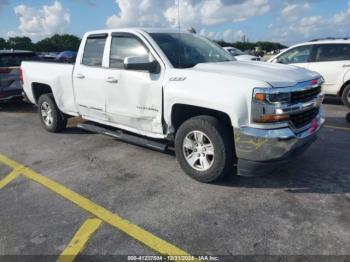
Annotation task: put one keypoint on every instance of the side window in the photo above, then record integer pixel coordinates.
(124, 46)
(332, 52)
(93, 52)
(296, 55)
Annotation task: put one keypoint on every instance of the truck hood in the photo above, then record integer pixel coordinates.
(277, 75)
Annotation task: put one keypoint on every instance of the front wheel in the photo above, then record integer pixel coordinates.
(348, 117)
(346, 96)
(51, 117)
(204, 148)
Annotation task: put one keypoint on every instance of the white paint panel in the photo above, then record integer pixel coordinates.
(333, 74)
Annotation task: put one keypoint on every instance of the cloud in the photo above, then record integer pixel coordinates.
(292, 12)
(231, 36)
(139, 13)
(47, 20)
(341, 18)
(310, 27)
(314, 25)
(192, 12)
(228, 35)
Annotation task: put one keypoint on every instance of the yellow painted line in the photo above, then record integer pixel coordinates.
(10, 177)
(10, 163)
(80, 240)
(146, 238)
(338, 127)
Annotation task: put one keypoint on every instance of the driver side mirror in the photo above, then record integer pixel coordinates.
(142, 63)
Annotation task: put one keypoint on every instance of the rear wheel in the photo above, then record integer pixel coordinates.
(204, 148)
(346, 96)
(51, 117)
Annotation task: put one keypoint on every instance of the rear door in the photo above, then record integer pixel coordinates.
(332, 61)
(89, 78)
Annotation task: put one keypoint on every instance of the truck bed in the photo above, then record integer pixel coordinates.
(55, 75)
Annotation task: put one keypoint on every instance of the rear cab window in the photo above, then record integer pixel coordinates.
(94, 50)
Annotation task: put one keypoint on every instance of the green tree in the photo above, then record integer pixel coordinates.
(270, 46)
(20, 43)
(58, 43)
(3, 44)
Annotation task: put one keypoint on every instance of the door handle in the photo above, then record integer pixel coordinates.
(346, 66)
(111, 80)
(80, 76)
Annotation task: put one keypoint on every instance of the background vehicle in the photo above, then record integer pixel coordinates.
(67, 57)
(10, 61)
(240, 55)
(328, 57)
(48, 56)
(181, 89)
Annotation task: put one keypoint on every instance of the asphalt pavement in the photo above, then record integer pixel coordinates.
(304, 209)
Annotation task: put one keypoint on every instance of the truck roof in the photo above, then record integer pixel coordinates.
(139, 29)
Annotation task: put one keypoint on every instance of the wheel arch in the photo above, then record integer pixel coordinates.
(182, 112)
(343, 87)
(39, 89)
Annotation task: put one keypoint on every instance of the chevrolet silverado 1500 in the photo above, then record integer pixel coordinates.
(159, 88)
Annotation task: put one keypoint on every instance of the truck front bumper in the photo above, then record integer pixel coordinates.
(261, 151)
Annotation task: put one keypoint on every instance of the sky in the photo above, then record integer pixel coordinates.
(285, 21)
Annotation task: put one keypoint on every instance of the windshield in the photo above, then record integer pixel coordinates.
(187, 50)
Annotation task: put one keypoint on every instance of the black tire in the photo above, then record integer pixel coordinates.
(221, 138)
(346, 96)
(59, 122)
(348, 117)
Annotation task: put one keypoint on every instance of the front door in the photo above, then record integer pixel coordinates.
(133, 98)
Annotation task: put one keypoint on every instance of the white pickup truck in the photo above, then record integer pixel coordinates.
(161, 88)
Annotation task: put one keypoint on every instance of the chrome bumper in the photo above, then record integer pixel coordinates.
(260, 145)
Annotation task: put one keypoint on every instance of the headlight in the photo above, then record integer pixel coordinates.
(264, 105)
(272, 98)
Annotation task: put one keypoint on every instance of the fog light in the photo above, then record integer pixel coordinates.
(272, 118)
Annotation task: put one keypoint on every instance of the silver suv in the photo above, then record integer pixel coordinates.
(10, 62)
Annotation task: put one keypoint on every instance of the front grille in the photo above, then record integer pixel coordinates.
(304, 118)
(305, 95)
